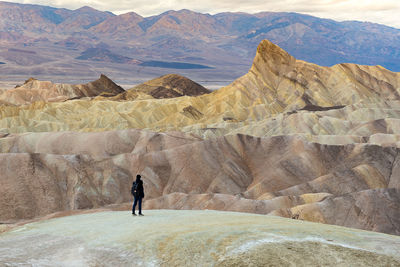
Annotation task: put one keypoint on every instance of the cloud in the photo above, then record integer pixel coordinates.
(382, 11)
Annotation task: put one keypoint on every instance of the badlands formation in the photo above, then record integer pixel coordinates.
(289, 138)
(36, 91)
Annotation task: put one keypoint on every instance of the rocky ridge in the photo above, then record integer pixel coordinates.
(166, 86)
(45, 91)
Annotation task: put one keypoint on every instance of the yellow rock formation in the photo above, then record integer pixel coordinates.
(276, 84)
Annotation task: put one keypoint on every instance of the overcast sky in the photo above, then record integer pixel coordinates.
(379, 11)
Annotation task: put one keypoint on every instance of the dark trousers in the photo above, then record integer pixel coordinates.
(137, 199)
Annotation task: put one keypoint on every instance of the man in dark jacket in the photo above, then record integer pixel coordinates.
(138, 193)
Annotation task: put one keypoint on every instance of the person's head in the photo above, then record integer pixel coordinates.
(138, 177)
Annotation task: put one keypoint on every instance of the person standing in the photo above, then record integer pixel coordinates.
(137, 191)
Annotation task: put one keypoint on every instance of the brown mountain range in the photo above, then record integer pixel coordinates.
(223, 41)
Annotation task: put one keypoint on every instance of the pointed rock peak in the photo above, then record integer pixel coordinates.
(270, 52)
(186, 11)
(86, 9)
(130, 15)
(171, 85)
(105, 84)
(105, 78)
(183, 12)
(176, 80)
(30, 80)
(270, 59)
(169, 77)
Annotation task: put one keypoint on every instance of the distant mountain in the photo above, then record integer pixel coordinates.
(120, 27)
(225, 41)
(26, 18)
(105, 55)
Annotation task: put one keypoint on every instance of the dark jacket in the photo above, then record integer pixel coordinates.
(140, 188)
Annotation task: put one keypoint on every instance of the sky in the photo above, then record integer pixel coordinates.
(378, 11)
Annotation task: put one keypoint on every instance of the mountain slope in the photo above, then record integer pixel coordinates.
(122, 26)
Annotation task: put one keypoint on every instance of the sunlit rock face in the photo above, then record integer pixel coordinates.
(277, 85)
(188, 238)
